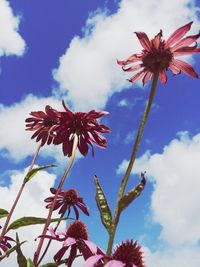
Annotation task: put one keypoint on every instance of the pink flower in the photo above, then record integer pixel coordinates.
(67, 200)
(126, 254)
(76, 238)
(5, 243)
(85, 126)
(159, 55)
(43, 123)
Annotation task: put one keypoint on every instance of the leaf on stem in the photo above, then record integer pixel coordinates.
(9, 251)
(29, 263)
(3, 213)
(132, 195)
(105, 212)
(25, 221)
(33, 172)
(20, 256)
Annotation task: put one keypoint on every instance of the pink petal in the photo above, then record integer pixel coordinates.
(156, 40)
(186, 51)
(91, 246)
(69, 241)
(185, 67)
(133, 58)
(92, 260)
(185, 42)
(146, 77)
(144, 40)
(178, 34)
(137, 76)
(114, 263)
(163, 76)
(174, 69)
(133, 68)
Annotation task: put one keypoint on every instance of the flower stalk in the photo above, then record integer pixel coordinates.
(131, 162)
(37, 253)
(18, 195)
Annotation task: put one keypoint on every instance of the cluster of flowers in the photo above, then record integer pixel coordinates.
(76, 237)
(57, 127)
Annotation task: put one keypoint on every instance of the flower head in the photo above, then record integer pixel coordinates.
(85, 126)
(159, 55)
(5, 243)
(76, 238)
(126, 254)
(67, 200)
(43, 123)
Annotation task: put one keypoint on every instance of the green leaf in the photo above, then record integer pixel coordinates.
(9, 251)
(25, 221)
(29, 263)
(20, 256)
(3, 213)
(132, 195)
(33, 172)
(105, 212)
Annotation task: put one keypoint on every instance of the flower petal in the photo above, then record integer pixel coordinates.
(137, 76)
(186, 51)
(174, 69)
(144, 40)
(133, 58)
(133, 68)
(185, 67)
(156, 40)
(163, 76)
(92, 260)
(69, 241)
(178, 34)
(146, 77)
(185, 42)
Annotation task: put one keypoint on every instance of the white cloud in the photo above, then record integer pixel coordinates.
(11, 43)
(184, 257)
(31, 203)
(88, 71)
(122, 103)
(15, 142)
(174, 201)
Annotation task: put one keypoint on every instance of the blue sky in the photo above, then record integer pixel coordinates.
(53, 50)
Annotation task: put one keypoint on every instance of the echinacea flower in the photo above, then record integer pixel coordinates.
(5, 244)
(43, 123)
(159, 55)
(85, 126)
(126, 254)
(76, 238)
(67, 200)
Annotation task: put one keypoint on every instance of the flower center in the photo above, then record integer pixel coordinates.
(77, 230)
(48, 122)
(157, 59)
(71, 196)
(129, 253)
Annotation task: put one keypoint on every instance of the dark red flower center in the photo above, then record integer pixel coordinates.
(77, 230)
(129, 253)
(157, 59)
(70, 197)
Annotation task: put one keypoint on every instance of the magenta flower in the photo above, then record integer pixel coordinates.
(126, 254)
(43, 123)
(76, 238)
(5, 243)
(159, 55)
(85, 126)
(67, 200)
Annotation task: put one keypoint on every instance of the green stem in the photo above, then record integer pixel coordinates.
(48, 221)
(18, 195)
(131, 162)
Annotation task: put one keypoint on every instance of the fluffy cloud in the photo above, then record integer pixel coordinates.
(175, 173)
(14, 140)
(11, 43)
(88, 71)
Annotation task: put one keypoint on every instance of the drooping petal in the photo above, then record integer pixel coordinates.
(144, 40)
(163, 76)
(146, 77)
(174, 69)
(90, 262)
(185, 42)
(178, 34)
(137, 76)
(69, 241)
(186, 51)
(185, 67)
(133, 58)
(133, 68)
